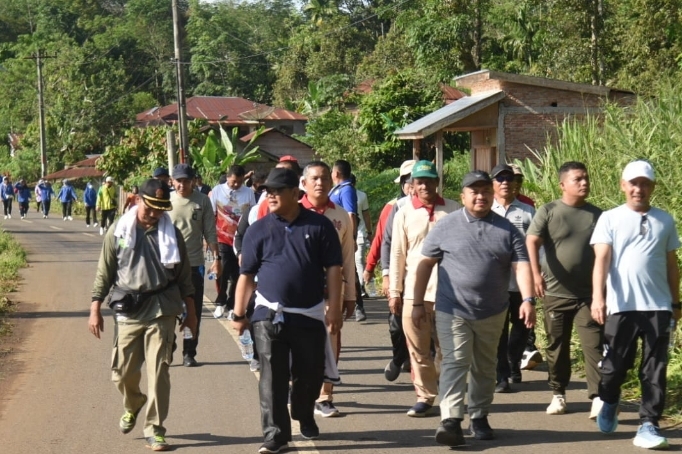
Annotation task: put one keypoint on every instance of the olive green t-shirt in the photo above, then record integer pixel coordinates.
(568, 259)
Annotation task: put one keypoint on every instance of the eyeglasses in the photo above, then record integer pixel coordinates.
(642, 225)
(274, 191)
(503, 178)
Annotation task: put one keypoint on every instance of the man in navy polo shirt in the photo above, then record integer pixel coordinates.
(293, 251)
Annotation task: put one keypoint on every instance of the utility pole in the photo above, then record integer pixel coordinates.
(41, 117)
(182, 112)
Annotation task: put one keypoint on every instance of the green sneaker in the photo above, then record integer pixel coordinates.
(127, 422)
(157, 443)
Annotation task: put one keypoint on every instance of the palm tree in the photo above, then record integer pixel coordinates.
(319, 10)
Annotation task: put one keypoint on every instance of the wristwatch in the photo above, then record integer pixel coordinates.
(530, 299)
(237, 318)
(677, 306)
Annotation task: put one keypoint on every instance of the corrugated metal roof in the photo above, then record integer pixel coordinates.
(449, 114)
(75, 173)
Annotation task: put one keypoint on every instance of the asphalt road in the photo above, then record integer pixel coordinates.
(56, 395)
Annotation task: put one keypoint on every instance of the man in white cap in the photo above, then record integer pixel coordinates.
(636, 294)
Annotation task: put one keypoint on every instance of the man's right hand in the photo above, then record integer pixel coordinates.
(384, 285)
(366, 276)
(333, 320)
(540, 285)
(598, 310)
(96, 322)
(395, 305)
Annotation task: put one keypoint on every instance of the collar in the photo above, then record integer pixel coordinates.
(514, 202)
(416, 203)
(309, 206)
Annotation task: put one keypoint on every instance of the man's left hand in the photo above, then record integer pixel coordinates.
(190, 322)
(527, 314)
(216, 268)
(240, 325)
(333, 320)
(348, 309)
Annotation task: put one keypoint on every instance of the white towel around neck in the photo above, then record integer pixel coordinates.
(168, 242)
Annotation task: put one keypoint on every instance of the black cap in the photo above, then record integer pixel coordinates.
(477, 176)
(156, 194)
(498, 169)
(160, 172)
(183, 171)
(279, 178)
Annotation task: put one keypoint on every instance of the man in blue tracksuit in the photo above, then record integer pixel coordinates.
(23, 197)
(90, 200)
(7, 194)
(67, 195)
(46, 194)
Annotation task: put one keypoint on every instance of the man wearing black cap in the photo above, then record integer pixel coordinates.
(472, 302)
(145, 271)
(193, 215)
(161, 173)
(512, 342)
(294, 252)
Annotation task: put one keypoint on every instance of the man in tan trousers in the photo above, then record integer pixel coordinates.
(410, 226)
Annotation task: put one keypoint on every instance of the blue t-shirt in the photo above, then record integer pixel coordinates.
(290, 259)
(344, 195)
(638, 274)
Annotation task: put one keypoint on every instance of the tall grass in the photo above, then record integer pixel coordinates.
(650, 129)
(12, 258)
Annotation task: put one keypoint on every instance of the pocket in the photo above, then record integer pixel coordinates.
(170, 345)
(115, 361)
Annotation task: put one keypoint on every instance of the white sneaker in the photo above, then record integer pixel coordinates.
(597, 403)
(9, 216)
(219, 311)
(44, 216)
(5, 216)
(94, 225)
(65, 219)
(557, 406)
(69, 218)
(101, 230)
(230, 315)
(530, 360)
(87, 226)
(22, 216)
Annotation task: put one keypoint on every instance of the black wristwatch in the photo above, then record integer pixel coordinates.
(237, 318)
(530, 299)
(677, 306)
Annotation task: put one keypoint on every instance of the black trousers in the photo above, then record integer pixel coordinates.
(359, 302)
(275, 344)
(66, 209)
(108, 217)
(189, 346)
(46, 206)
(88, 210)
(560, 313)
(227, 283)
(23, 208)
(621, 333)
(512, 341)
(7, 206)
(398, 340)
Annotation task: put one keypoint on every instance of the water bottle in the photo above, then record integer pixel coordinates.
(246, 345)
(209, 255)
(672, 334)
(212, 276)
(186, 332)
(371, 289)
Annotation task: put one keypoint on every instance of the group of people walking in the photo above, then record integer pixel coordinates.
(461, 277)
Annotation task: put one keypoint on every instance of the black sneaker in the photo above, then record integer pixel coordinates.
(273, 447)
(188, 361)
(326, 409)
(449, 433)
(309, 430)
(516, 377)
(391, 371)
(480, 429)
(503, 386)
(407, 366)
(360, 315)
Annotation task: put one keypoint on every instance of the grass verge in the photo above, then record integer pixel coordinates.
(12, 258)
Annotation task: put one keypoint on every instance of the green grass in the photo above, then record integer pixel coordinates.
(12, 258)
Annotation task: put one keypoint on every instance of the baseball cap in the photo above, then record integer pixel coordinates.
(638, 169)
(405, 169)
(160, 172)
(109, 180)
(156, 194)
(498, 169)
(288, 157)
(477, 176)
(516, 169)
(424, 169)
(183, 171)
(279, 178)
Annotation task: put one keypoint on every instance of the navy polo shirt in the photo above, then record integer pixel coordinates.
(290, 259)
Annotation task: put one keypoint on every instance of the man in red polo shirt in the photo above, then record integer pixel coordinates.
(317, 183)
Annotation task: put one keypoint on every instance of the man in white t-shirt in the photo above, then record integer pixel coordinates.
(362, 241)
(636, 296)
(229, 201)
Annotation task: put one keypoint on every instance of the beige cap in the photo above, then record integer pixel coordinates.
(516, 169)
(405, 169)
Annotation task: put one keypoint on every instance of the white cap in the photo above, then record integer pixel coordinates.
(637, 169)
(109, 179)
(405, 169)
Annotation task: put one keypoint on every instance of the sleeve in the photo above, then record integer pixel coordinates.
(603, 233)
(241, 230)
(518, 245)
(183, 270)
(208, 221)
(396, 270)
(250, 251)
(374, 254)
(387, 238)
(252, 198)
(349, 200)
(432, 243)
(107, 267)
(538, 227)
(213, 198)
(673, 237)
(364, 204)
(332, 254)
(348, 256)
(98, 204)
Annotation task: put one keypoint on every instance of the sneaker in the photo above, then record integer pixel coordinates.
(326, 409)
(420, 410)
(558, 405)
(219, 311)
(309, 430)
(189, 361)
(502, 386)
(64, 218)
(480, 429)
(648, 437)
(45, 217)
(530, 360)
(407, 367)
(5, 216)
(9, 216)
(94, 225)
(360, 315)
(449, 433)
(127, 421)
(87, 226)
(101, 230)
(22, 216)
(516, 377)
(230, 315)
(597, 403)
(272, 447)
(157, 443)
(254, 365)
(391, 371)
(69, 218)
(607, 419)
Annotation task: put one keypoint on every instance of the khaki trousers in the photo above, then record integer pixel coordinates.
(424, 368)
(134, 343)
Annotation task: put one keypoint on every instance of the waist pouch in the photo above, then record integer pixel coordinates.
(127, 302)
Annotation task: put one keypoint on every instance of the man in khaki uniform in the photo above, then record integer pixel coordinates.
(410, 226)
(144, 264)
(317, 182)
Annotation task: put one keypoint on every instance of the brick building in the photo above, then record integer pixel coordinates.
(509, 114)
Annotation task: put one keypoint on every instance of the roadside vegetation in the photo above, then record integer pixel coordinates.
(12, 258)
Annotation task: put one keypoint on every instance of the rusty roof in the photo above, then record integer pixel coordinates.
(82, 169)
(226, 110)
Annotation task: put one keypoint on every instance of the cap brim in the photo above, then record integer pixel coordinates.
(424, 175)
(182, 175)
(276, 186)
(157, 204)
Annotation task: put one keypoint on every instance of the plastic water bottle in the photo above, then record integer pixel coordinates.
(673, 334)
(212, 276)
(371, 289)
(246, 345)
(209, 255)
(186, 332)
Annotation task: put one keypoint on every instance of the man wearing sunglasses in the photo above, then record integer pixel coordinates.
(513, 341)
(636, 295)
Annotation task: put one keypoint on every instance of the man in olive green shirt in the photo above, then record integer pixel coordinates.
(193, 215)
(144, 264)
(564, 281)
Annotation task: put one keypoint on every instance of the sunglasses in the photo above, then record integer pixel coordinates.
(503, 178)
(642, 225)
(275, 191)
